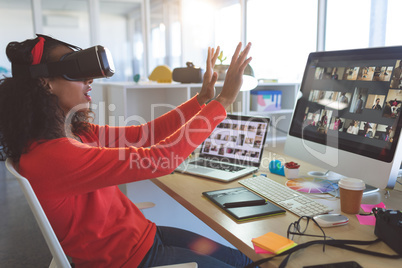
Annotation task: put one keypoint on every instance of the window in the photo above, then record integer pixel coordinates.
(393, 33)
(114, 30)
(348, 24)
(227, 27)
(283, 33)
(198, 25)
(136, 40)
(165, 48)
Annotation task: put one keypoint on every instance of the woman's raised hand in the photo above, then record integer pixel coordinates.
(208, 85)
(234, 76)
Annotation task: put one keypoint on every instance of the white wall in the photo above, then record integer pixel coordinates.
(15, 25)
(64, 29)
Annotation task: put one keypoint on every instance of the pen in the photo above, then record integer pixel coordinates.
(244, 203)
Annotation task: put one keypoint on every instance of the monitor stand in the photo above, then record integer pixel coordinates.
(318, 174)
(370, 189)
(332, 176)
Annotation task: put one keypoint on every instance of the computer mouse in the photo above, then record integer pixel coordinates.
(331, 220)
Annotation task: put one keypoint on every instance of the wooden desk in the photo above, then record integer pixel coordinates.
(187, 190)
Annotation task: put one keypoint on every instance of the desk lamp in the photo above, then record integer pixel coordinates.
(249, 80)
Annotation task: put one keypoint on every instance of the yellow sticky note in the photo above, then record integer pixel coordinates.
(286, 248)
(273, 242)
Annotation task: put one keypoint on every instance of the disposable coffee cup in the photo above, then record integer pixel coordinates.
(351, 193)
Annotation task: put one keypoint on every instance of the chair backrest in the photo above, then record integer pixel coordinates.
(59, 257)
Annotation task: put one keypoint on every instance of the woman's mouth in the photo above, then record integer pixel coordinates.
(88, 95)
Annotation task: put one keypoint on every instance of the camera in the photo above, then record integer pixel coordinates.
(388, 227)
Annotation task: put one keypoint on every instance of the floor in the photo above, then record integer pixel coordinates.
(21, 242)
(167, 211)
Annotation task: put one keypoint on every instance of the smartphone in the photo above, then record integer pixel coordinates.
(347, 264)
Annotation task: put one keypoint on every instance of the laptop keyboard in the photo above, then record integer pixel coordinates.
(216, 165)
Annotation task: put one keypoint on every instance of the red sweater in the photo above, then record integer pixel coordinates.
(97, 225)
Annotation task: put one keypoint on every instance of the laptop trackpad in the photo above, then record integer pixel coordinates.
(201, 170)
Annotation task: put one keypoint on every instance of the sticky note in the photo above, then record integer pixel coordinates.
(369, 208)
(259, 250)
(366, 220)
(273, 242)
(286, 248)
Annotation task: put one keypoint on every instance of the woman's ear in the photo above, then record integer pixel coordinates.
(45, 82)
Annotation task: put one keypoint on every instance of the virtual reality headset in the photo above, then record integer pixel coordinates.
(90, 63)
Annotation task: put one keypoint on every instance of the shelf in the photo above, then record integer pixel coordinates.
(288, 94)
(130, 103)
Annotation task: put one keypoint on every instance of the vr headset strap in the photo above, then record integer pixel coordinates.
(68, 67)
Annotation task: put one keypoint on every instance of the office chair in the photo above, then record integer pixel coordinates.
(59, 257)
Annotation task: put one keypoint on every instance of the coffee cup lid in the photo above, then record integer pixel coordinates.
(352, 184)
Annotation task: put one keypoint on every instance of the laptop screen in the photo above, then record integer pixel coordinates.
(237, 139)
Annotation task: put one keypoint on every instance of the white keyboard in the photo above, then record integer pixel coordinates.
(285, 197)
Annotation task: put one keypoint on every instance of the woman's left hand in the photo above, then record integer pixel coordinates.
(210, 77)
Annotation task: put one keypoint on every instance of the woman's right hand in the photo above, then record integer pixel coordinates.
(234, 76)
(208, 84)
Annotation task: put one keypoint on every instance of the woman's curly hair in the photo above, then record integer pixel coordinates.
(28, 111)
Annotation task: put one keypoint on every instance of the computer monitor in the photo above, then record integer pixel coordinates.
(348, 119)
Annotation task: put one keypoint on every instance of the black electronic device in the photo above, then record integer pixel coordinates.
(90, 63)
(347, 264)
(388, 227)
(349, 114)
(242, 204)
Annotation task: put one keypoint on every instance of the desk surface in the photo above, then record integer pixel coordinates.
(187, 190)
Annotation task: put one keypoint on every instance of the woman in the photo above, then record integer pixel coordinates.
(74, 166)
(337, 123)
(353, 128)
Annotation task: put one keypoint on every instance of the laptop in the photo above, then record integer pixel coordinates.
(234, 149)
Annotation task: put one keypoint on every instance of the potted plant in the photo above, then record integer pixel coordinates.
(291, 170)
(221, 68)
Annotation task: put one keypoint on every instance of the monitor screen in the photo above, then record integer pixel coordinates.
(354, 97)
(351, 100)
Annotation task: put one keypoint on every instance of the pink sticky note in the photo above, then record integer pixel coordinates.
(366, 220)
(368, 207)
(259, 250)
